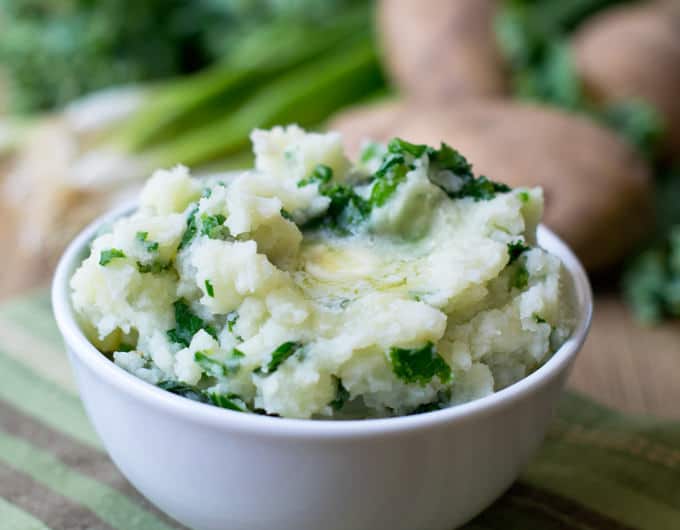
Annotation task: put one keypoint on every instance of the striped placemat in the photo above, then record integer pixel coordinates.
(597, 469)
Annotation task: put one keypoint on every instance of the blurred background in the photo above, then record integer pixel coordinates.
(580, 97)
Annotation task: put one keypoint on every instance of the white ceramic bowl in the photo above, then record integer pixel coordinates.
(214, 469)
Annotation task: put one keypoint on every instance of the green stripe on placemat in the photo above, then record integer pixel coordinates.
(597, 469)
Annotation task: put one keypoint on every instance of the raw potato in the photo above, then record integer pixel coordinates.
(597, 189)
(634, 52)
(444, 50)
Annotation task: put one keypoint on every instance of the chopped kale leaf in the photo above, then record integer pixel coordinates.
(279, 356)
(443, 401)
(480, 189)
(187, 325)
(155, 267)
(286, 215)
(398, 146)
(106, 256)
(387, 179)
(321, 174)
(232, 317)
(341, 396)
(151, 246)
(520, 277)
(190, 231)
(419, 365)
(184, 390)
(345, 211)
(213, 227)
(447, 158)
(228, 401)
(225, 401)
(215, 368)
(539, 319)
(210, 366)
(515, 250)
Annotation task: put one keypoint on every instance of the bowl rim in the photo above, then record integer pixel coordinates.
(86, 353)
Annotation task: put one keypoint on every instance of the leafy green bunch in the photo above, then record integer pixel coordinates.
(54, 51)
(533, 35)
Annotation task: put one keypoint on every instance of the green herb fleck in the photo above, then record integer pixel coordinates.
(187, 325)
(480, 189)
(443, 401)
(210, 366)
(106, 256)
(151, 246)
(520, 277)
(207, 192)
(143, 237)
(524, 196)
(515, 250)
(345, 211)
(371, 151)
(539, 319)
(419, 365)
(225, 401)
(321, 174)
(228, 401)
(341, 396)
(279, 356)
(216, 368)
(209, 289)
(190, 231)
(184, 390)
(124, 347)
(387, 179)
(286, 215)
(213, 227)
(155, 267)
(232, 317)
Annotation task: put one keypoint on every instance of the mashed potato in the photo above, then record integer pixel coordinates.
(309, 287)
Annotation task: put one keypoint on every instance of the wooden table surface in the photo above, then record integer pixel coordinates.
(624, 365)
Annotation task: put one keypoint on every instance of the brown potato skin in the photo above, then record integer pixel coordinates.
(442, 50)
(597, 188)
(634, 52)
